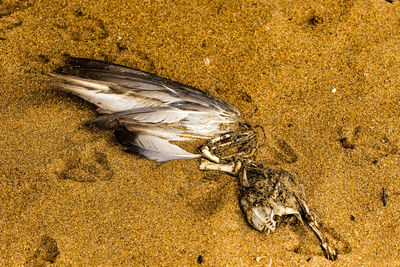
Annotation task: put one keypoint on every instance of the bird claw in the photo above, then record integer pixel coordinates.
(329, 252)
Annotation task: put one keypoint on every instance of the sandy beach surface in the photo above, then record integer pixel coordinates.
(322, 76)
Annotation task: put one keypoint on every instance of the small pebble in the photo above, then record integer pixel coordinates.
(200, 259)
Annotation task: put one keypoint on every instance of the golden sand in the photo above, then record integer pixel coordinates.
(324, 76)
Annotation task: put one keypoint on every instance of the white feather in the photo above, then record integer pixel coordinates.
(159, 95)
(93, 84)
(167, 132)
(108, 102)
(159, 149)
(161, 115)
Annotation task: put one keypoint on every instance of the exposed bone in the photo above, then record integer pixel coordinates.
(207, 154)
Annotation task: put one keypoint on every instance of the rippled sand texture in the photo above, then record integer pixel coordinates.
(323, 76)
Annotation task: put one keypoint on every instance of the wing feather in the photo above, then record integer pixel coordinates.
(152, 147)
(130, 81)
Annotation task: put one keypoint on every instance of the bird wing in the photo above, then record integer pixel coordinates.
(154, 109)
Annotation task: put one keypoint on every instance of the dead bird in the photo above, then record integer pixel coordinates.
(149, 112)
(268, 195)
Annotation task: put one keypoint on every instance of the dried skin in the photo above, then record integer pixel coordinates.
(270, 196)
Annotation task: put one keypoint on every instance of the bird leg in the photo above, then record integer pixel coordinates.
(232, 168)
(311, 220)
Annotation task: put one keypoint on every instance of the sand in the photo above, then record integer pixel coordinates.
(322, 76)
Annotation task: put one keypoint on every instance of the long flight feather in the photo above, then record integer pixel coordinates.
(152, 147)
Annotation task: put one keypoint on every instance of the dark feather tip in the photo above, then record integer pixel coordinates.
(125, 137)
